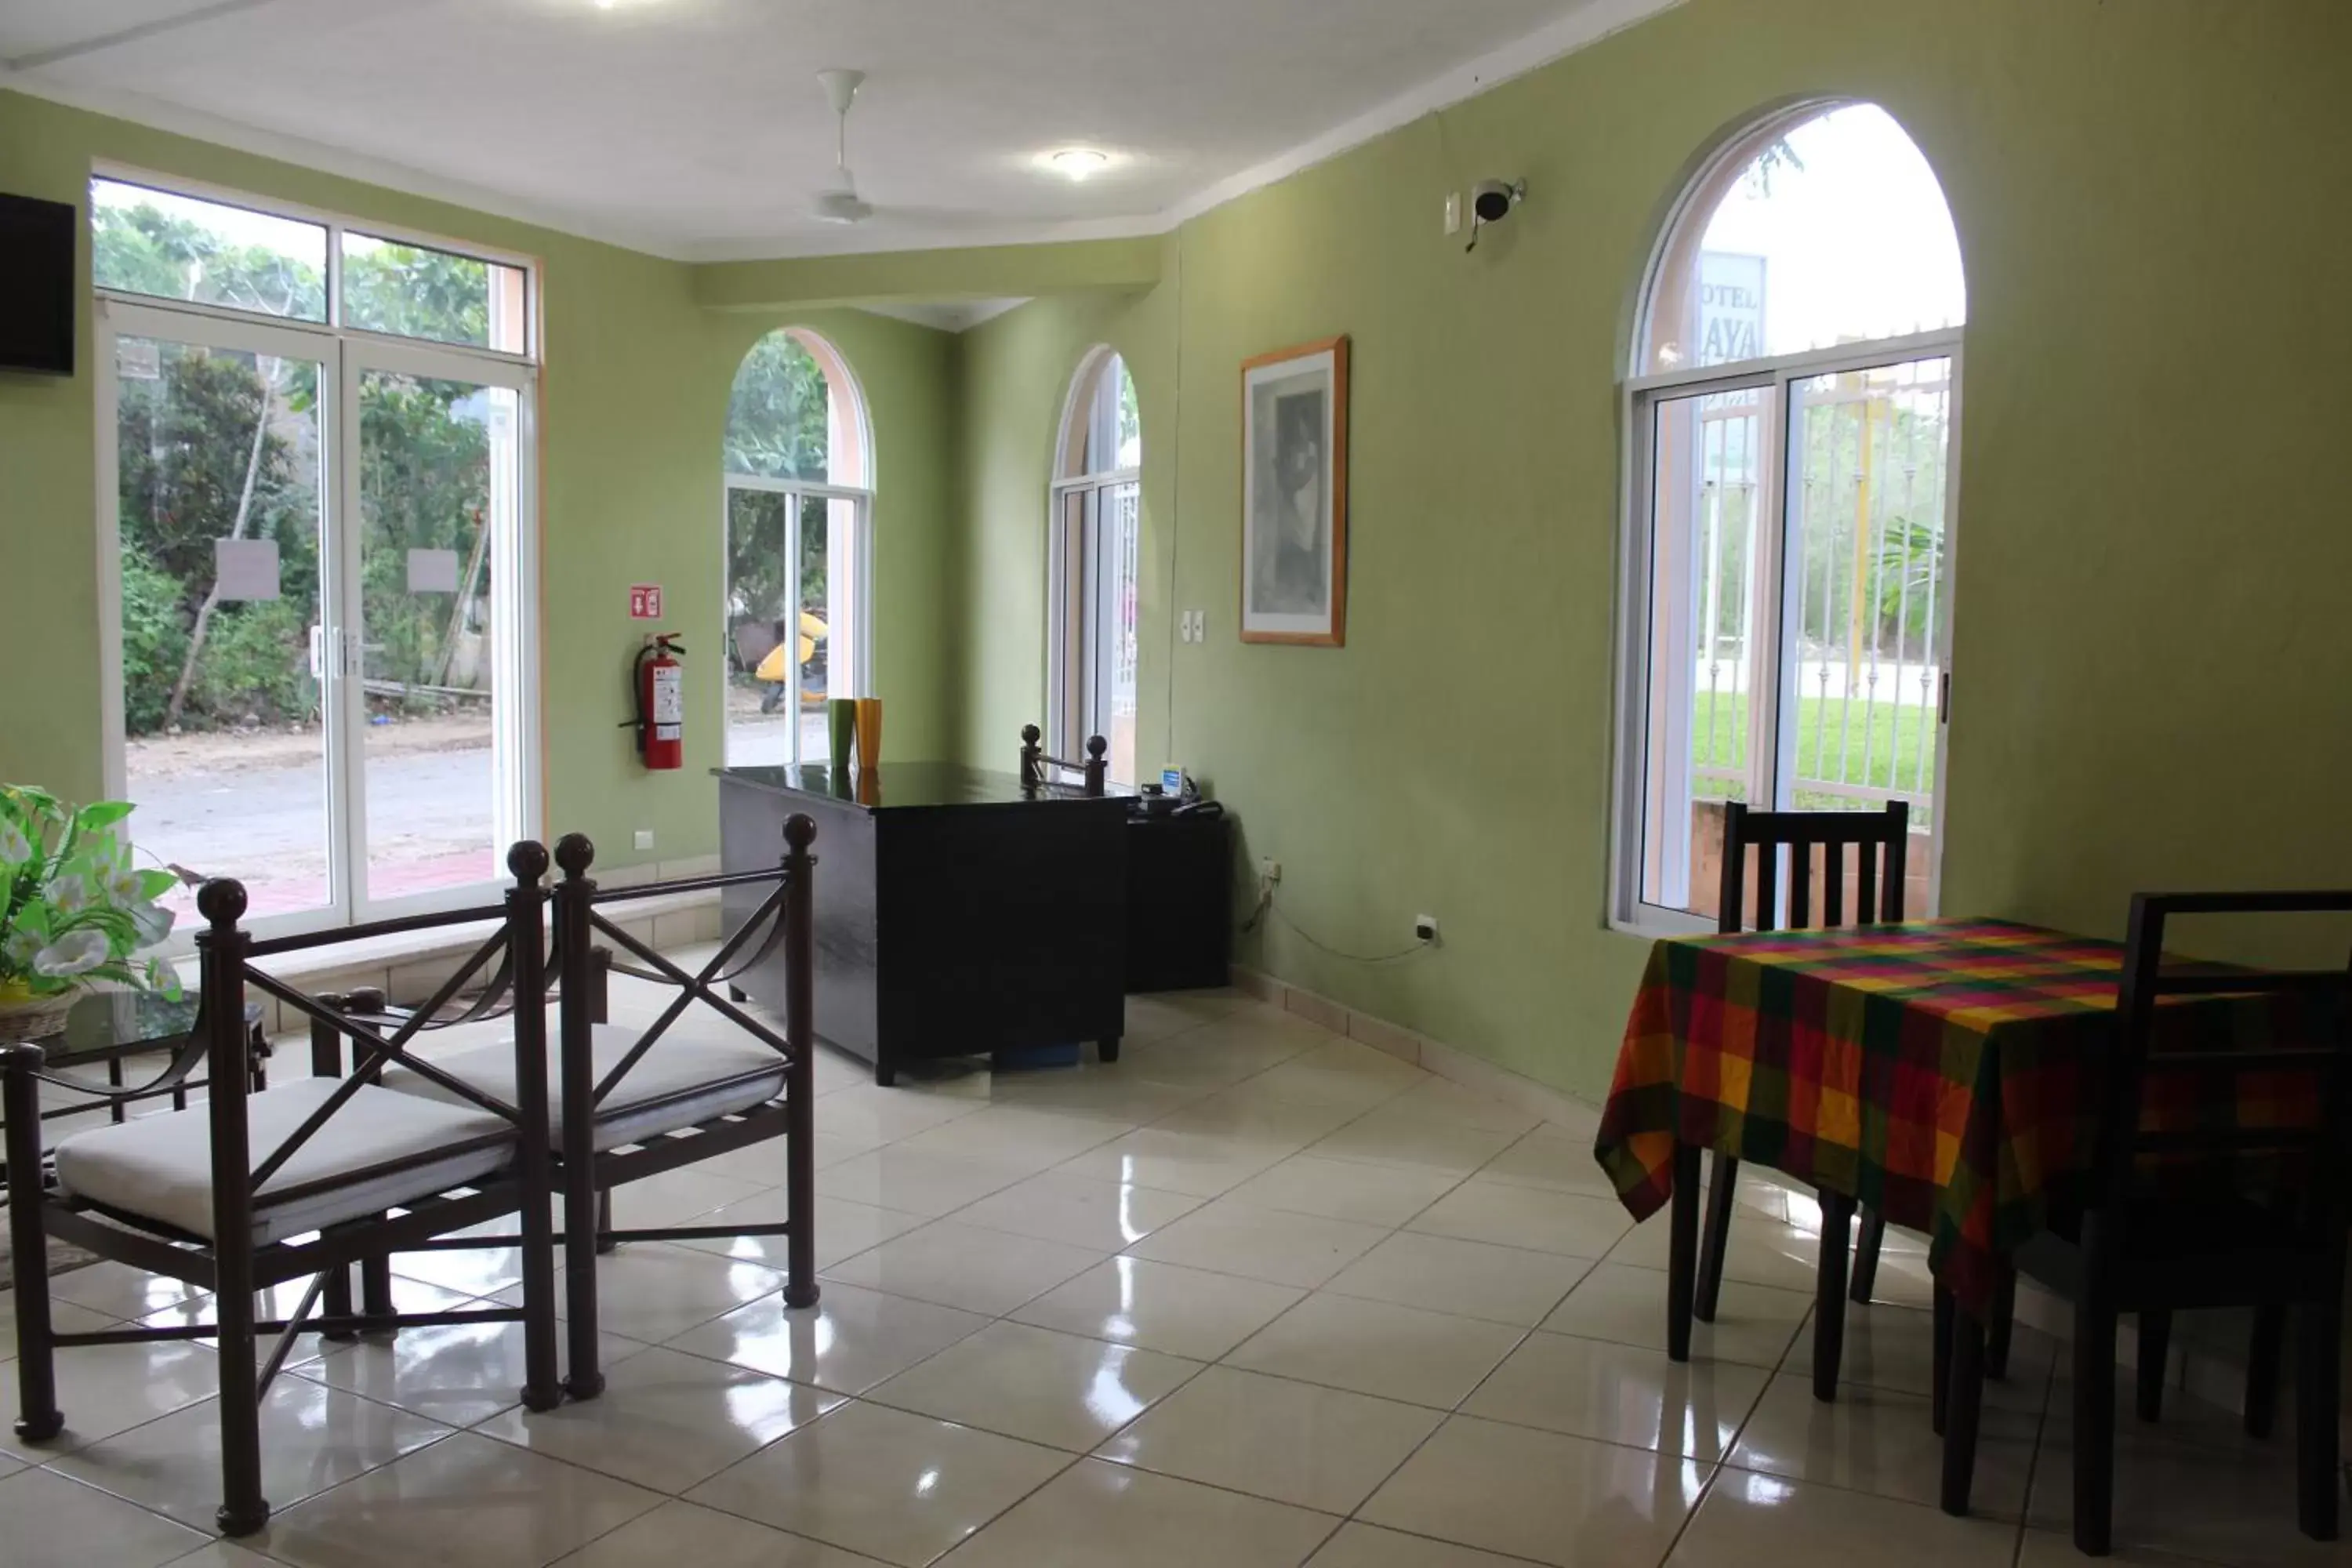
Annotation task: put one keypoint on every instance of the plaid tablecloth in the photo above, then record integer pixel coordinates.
(1944, 1072)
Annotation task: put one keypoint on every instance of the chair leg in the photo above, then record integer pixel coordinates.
(1963, 1402)
(375, 1291)
(2155, 1356)
(1865, 1258)
(335, 1301)
(1681, 1251)
(2263, 1357)
(1829, 1294)
(2003, 1327)
(38, 1417)
(2095, 1424)
(1715, 1237)
(605, 1244)
(584, 1377)
(1940, 1381)
(2318, 1375)
(243, 1509)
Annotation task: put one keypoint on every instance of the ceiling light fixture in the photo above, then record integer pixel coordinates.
(1077, 164)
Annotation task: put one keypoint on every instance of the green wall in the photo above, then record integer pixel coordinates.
(2153, 683)
(633, 401)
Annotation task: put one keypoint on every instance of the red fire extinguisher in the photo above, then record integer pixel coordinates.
(660, 687)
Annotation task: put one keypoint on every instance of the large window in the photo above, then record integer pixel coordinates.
(799, 470)
(1095, 533)
(315, 443)
(1792, 419)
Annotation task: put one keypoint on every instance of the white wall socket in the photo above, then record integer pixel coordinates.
(1424, 929)
(1454, 212)
(1269, 870)
(644, 837)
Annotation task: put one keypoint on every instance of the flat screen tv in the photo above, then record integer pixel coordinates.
(36, 285)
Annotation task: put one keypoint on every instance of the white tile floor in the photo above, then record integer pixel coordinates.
(1256, 1295)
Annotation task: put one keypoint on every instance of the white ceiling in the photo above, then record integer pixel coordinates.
(696, 128)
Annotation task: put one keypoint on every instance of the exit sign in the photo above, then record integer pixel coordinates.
(645, 601)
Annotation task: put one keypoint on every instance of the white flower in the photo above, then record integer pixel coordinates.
(75, 952)
(20, 948)
(162, 977)
(14, 848)
(69, 893)
(151, 921)
(122, 885)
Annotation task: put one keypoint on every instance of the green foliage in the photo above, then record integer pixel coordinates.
(256, 665)
(73, 906)
(776, 416)
(154, 639)
(146, 250)
(1893, 748)
(417, 293)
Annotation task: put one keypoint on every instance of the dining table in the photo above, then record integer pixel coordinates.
(1946, 1073)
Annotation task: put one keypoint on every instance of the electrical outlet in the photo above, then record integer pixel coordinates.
(645, 838)
(1424, 929)
(1454, 212)
(1269, 870)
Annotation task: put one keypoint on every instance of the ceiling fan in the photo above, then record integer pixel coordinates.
(839, 202)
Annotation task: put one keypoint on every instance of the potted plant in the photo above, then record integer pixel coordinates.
(74, 909)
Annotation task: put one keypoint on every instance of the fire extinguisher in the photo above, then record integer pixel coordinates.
(658, 683)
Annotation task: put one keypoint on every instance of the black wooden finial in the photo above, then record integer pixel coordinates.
(222, 901)
(575, 854)
(528, 861)
(800, 831)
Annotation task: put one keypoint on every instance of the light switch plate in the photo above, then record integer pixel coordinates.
(645, 838)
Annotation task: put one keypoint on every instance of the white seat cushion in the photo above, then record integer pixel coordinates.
(730, 1074)
(161, 1167)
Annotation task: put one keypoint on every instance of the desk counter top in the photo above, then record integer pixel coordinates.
(903, 786)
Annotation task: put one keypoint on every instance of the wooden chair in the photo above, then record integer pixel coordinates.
(253, 1189)
(654, 1102)
(2164, 1221)
(1881, 840)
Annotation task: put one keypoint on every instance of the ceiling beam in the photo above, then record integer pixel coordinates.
(997, 271)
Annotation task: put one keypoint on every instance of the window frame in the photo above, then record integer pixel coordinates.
(840, 378)
(1641, 396)
(342, 354)
(1642, 392)
(336, 224)
(1072, 644)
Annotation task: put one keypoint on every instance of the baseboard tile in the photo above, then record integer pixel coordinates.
(1448, 1062)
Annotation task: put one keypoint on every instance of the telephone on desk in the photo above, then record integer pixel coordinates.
(1155, 800)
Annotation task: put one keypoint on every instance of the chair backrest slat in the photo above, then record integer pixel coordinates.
(1879, 839)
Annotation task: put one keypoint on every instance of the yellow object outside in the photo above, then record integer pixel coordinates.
(774, 667)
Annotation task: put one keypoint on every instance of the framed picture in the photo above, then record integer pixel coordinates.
(1295, 496)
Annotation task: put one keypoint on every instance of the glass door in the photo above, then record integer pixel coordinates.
(437, 765)
(227, 726)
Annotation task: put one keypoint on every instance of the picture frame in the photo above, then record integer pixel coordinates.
(1293, 555)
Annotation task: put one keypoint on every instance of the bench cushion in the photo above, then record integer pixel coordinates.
(711, 1074)
(161, 1167)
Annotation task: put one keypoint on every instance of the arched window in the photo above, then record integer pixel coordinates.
(1793, 408)
(799, 463)
(1097, 528)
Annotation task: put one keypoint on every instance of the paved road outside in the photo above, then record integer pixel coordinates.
(253, 807)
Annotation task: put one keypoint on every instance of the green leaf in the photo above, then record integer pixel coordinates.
(103, 814)
(153, 885)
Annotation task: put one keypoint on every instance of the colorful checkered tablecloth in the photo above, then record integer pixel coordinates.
(1943, 1072)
